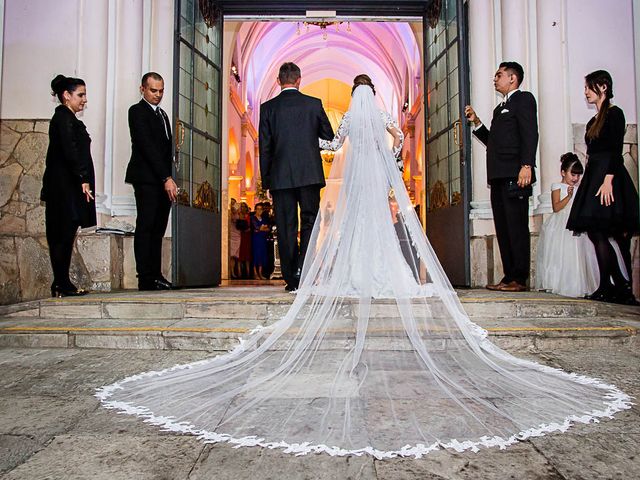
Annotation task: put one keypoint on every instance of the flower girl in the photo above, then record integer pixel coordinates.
(566, 264)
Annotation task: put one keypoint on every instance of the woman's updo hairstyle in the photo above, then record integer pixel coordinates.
(362, 79)
(62, 84)
(569, 162)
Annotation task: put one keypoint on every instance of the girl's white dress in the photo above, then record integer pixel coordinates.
(566, 264)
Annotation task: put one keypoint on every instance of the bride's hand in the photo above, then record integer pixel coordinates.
(605, 192)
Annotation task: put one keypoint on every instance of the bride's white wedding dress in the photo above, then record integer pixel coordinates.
(376, 354)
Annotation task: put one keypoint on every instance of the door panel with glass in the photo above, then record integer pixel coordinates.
(447, 172)
(197, 107)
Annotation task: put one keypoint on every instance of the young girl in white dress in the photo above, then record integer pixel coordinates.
(566, 264)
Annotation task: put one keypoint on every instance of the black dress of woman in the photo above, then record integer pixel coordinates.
(68, 166)
(620, 220)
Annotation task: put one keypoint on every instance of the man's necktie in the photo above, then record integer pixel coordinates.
(160, 115)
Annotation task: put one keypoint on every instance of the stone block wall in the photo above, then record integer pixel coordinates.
(99, 263)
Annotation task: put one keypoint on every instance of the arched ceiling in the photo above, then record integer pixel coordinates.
(386, 51)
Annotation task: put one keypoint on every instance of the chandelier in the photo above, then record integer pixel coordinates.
(323, 27)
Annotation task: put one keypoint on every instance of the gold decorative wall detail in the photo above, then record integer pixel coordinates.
(456, 198)
(327, 156)
(183, 197)
(205, 197)
(438, 197)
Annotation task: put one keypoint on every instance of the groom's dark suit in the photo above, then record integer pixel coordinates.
(511, 143)
(291, 168)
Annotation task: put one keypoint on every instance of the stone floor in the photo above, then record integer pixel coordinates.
(51, 427)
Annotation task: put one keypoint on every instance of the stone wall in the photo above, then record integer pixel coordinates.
(100, 262)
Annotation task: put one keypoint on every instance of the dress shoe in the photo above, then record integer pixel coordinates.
(513, 287)
(59, 292)
(496, 286)
(150, 285)
(165, 283)
(602, 294)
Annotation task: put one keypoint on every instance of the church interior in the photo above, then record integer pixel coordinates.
(330, 55)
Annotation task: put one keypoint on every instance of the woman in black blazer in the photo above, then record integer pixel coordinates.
(68, 182)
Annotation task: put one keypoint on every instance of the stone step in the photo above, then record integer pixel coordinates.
(269, 303)
(217, 335)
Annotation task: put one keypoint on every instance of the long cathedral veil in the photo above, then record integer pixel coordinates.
(376, 354)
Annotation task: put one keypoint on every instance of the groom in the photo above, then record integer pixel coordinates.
(291, 166)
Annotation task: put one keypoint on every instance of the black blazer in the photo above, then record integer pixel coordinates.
(512, 140)
(290, 125)
(151, 150)
(68, 166)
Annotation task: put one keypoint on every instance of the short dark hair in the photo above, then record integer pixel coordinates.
(62, 84)
(515, 68)
(148, 75)
(289, 73)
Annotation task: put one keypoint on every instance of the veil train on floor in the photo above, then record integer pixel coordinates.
(376, 354)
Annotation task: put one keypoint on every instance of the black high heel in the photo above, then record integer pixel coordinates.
(59, 292)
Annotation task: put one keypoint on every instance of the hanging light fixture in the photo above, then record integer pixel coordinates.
(323, 25)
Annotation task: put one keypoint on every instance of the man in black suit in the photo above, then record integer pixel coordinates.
(291, 166)
(149, 172)
(511, 145)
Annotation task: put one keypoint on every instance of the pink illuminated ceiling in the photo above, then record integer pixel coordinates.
(388, 52)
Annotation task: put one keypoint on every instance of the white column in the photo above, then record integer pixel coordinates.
(93, 69)
(161, 45)
(1, 40)
(482, 46)
(514, 35)
(553, 96)
(147, 21)
(106, 201)
(126, 72)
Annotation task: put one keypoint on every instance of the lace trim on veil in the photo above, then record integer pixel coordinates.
(376, 354)
(616, 402)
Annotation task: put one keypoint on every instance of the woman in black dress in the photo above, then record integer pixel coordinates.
(68, 182)
(606, 204)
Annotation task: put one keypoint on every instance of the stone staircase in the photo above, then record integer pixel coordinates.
(214, 319)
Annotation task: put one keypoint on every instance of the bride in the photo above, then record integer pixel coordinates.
(376, 354)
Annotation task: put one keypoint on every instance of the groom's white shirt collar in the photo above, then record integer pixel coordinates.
(288, 88)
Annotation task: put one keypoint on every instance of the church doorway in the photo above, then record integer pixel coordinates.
(399, 52)
(330, 54)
